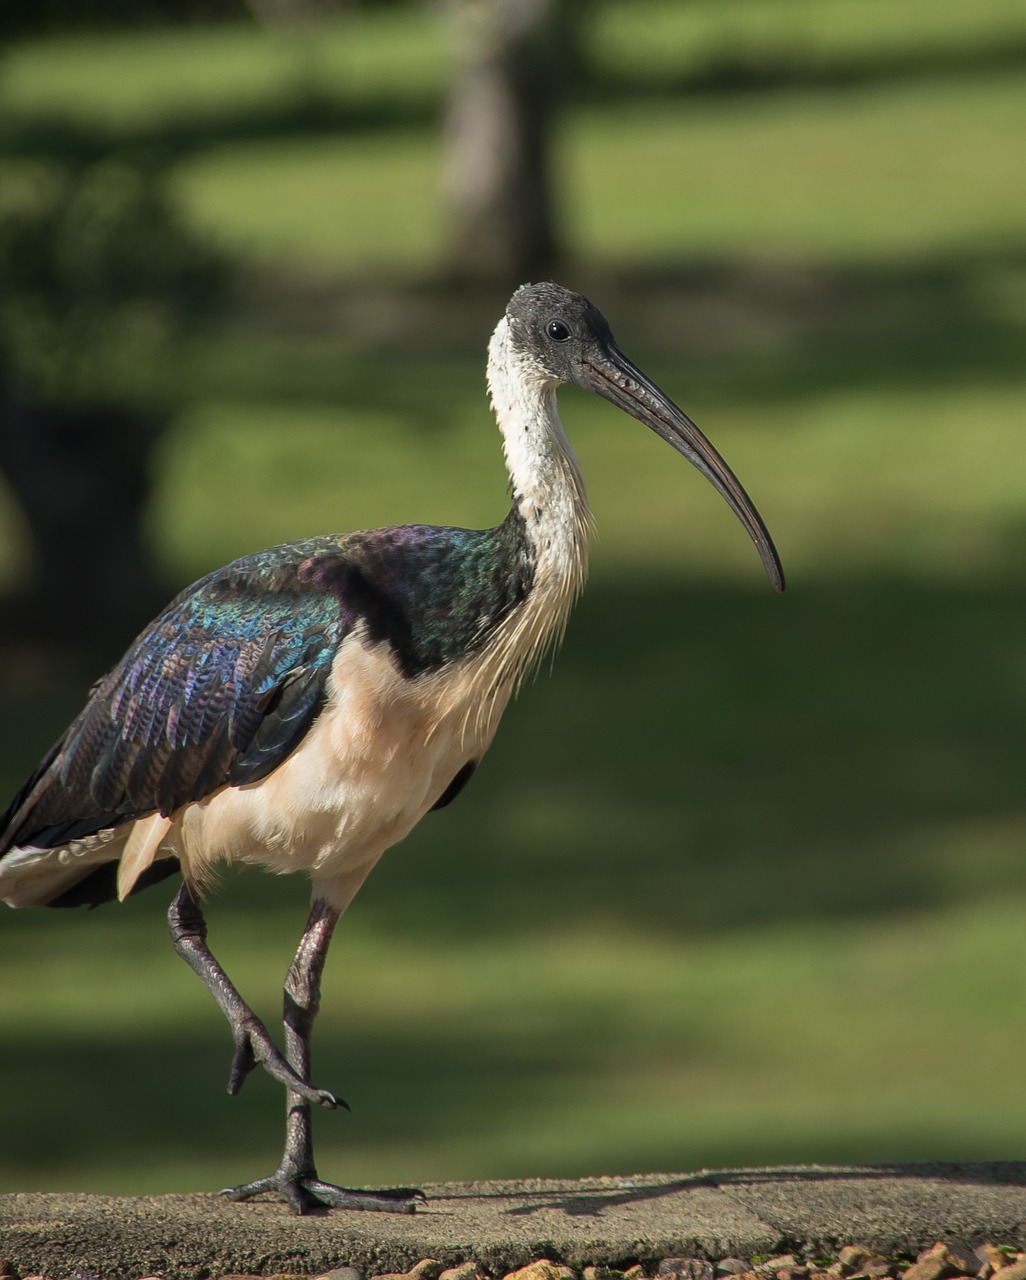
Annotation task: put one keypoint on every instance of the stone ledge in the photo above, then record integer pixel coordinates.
(504, 1225)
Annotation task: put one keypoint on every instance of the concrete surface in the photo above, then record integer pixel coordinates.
(617, 1221)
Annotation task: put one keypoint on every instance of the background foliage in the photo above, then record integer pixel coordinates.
(743, 880)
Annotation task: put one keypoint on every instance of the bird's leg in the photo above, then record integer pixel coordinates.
(253, 1043)
(296, 1177)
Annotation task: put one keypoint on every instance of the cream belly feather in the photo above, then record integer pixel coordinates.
(377, 758)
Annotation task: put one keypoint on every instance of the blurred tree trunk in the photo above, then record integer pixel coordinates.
(512, 59)
(98, 280)
(81, 477)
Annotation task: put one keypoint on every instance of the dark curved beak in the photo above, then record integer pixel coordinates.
(609, 373)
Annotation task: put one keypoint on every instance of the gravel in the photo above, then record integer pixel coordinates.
(950, 1259)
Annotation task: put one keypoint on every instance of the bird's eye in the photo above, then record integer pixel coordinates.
(557, 331)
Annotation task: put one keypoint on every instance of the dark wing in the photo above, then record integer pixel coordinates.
(218, 690)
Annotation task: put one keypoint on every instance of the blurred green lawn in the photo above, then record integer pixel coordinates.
(743, 881)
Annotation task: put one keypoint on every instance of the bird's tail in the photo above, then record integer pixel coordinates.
(109, 864)
(35, 877)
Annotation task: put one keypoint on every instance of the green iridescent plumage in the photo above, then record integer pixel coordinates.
(224, 684)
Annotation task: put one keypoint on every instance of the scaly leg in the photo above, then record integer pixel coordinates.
(253, 1044)
(296, 1176)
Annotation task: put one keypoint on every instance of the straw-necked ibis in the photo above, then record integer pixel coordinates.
(302, 708)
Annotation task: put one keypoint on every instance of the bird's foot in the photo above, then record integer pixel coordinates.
(306, 1193)
(254, 1047)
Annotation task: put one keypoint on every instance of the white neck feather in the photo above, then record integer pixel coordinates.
(548, 490)
(545, 476)
(544, 473)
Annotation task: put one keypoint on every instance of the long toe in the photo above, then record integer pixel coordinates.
(307, 1193)
(385, 1200)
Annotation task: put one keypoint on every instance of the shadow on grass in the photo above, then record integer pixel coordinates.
(709, 758)
(774, 331)
(785, 66)
(761, 330)
(103, 1101)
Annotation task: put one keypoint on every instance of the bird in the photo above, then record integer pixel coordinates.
(302, 708)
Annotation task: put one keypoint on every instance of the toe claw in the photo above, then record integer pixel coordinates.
(331, 1100)
(247, 1189)
(243, 1062)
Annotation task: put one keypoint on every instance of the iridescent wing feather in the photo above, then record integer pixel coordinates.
(218, 690)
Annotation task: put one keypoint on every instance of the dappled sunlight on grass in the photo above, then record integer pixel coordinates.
(243, 472)
(742, 880)
(659, 39)
(225, 69)
(899, 481)
(811, 177)
(273, 200)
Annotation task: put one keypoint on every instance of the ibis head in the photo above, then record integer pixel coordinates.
(565, 338)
